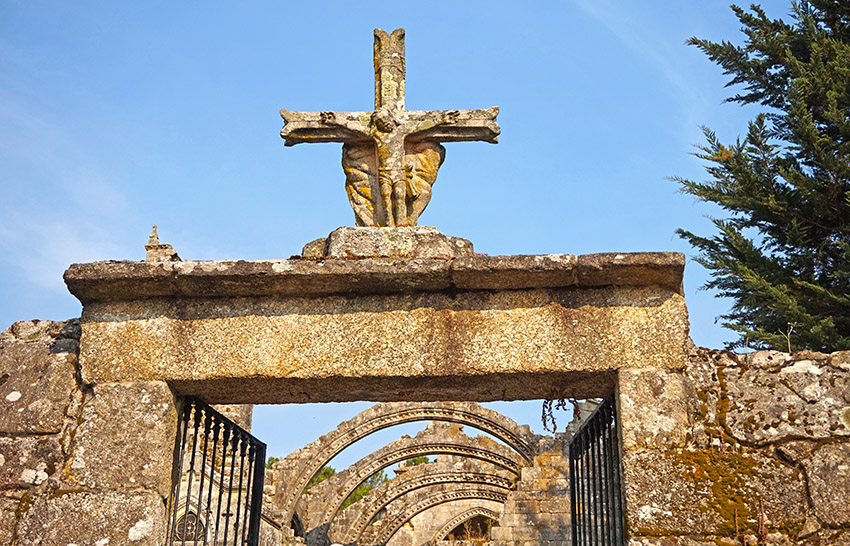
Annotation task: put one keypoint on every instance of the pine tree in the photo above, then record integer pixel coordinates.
(783, 252)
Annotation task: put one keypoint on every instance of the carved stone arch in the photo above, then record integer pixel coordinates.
(189, 525)
(351, 522)
(383, 531)
(303, 465)
(427, 442)
(296, 525)
(460, 518)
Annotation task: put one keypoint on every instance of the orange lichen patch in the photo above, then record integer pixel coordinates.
(727, 475)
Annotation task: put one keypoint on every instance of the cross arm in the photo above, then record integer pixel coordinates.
(301, 127)
(454, 125)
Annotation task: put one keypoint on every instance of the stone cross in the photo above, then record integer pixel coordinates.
(391, 155)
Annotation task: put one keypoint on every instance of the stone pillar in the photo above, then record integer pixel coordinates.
(117, 476)
(79, 464)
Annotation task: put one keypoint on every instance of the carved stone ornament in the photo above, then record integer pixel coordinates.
(390, 156)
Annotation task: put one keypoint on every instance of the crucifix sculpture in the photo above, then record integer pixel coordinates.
(390, 156)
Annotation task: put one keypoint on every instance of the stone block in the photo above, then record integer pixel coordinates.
(798, 399)
(96, 519)
(28, 461)
(700, 491)
(512, 272)
(286, 349)
(9, 507)
(35, 384)
(627, 268)
(653, 408)
(126, 439)
(828, 471)
(399, 242)
(840, 360)
(241, 414)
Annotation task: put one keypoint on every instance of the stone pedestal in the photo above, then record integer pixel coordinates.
(382, 242)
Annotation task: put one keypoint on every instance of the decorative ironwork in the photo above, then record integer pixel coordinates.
(218, 478)
(597, 507)
(189, 528)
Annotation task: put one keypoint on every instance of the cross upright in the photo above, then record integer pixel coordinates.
(388, 137)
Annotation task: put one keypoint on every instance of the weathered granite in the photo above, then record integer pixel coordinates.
(125, 281)
(27, 461)
(802, 400)
(442, 439)
(653, 408)
(433, 524)
(37, 376)
(241, 414)
(372, 347)
(538, 511)
(349, 524)
(126, 439)
(285, 326)
(157, 252)
(700, 491)
(291, 474)
(93, 518)
(828, 472)
(423, 242)
(737, 449)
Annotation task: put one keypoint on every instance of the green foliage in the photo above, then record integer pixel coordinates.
(372, 482)
(271, 460)
(323, 474)
(413, 461)
(783, 252)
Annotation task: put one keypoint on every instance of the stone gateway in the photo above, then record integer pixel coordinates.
(712, 448)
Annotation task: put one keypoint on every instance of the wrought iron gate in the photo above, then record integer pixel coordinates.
(597, 508)
(218, 474)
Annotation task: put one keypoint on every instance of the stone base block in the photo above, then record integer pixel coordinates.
(387, 242)
(119, 419)
(97, 519)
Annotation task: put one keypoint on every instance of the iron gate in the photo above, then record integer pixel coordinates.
(218, 476)
(597, 508)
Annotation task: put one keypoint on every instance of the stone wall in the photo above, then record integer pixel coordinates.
(81, 463)
(71, 470)
(738, 449)
(537, 512)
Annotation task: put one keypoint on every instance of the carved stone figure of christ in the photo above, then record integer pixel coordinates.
(391, 155)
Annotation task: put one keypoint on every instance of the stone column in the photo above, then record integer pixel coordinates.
(79, 463)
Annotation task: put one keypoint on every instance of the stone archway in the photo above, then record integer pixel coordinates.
(351, 522)
(298, 471)
(383, 531)
(446, 528)
(476, 328)
(435, 440)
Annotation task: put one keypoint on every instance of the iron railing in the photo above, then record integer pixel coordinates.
(218, 475)
(597, 507)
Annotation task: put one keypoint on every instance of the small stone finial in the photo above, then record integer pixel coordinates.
(157, 252)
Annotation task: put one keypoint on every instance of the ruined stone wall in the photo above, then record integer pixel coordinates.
(421, 529)
(81, 464)
(537, 512)
(71, 467)
(738, 449)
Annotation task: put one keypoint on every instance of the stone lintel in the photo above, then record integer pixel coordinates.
(127, 281)
(437, 345)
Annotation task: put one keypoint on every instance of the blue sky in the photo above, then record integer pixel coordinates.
(115, 116)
